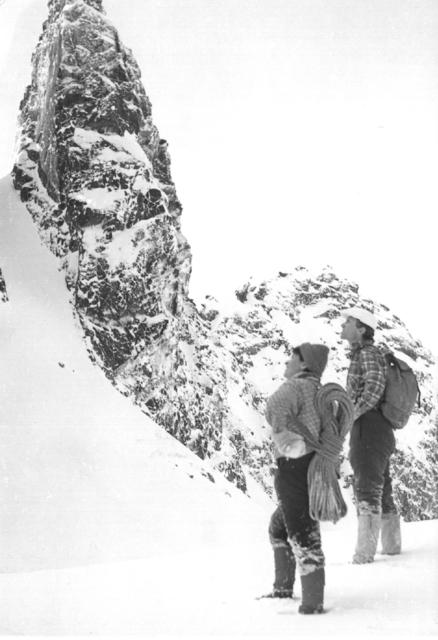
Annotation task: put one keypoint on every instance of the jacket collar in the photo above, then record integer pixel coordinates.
(306, 374)
(358, 346)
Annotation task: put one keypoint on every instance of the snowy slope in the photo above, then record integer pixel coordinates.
(211, 590)
(111, 526)
(85, 475)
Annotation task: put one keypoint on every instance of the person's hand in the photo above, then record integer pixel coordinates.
(290, 445)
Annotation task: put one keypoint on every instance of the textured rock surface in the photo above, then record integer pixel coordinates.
(228, 363)
(95, 176)
(3, 292)
(291, 308)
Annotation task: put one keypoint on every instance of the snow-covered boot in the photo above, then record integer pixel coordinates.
(284, 562)
(312, 592)
(391, 534)
(367, 537)
(277, 593)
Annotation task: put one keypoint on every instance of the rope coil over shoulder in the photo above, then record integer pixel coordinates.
(336, 410)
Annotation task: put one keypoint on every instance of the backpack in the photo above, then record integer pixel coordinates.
(401, 392)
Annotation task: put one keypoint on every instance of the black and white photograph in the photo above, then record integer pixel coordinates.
(218, 318)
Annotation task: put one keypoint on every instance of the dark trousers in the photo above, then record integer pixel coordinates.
(284, 559)
(277, 530)
(372, 443)
(301, 530)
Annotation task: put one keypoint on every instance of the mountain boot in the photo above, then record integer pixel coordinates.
(284, 563)
(312, 592)
(391, 534)
(367, 537)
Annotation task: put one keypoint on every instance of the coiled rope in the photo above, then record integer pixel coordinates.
(336, 410)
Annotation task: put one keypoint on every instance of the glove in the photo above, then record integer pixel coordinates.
(289, 444)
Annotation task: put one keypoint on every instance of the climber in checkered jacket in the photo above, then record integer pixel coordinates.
(294, 535)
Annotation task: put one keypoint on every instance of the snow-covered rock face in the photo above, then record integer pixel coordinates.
(3, 292)
(95, 176)
(256, 340)
(213, 398)
(56, 6)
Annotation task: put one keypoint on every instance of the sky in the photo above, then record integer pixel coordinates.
(300, 132)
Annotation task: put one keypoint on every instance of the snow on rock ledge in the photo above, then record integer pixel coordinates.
(92, 169)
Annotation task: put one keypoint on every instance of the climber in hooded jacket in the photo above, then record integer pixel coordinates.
(294, 535)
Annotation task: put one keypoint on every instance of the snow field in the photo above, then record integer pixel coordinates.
(210, 591)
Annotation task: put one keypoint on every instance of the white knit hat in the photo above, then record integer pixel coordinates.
(365, 316)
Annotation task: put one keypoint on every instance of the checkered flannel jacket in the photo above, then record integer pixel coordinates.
(294, 398)
(366, 378)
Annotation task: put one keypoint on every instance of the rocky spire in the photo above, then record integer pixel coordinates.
(95, 175)
(56, 6)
